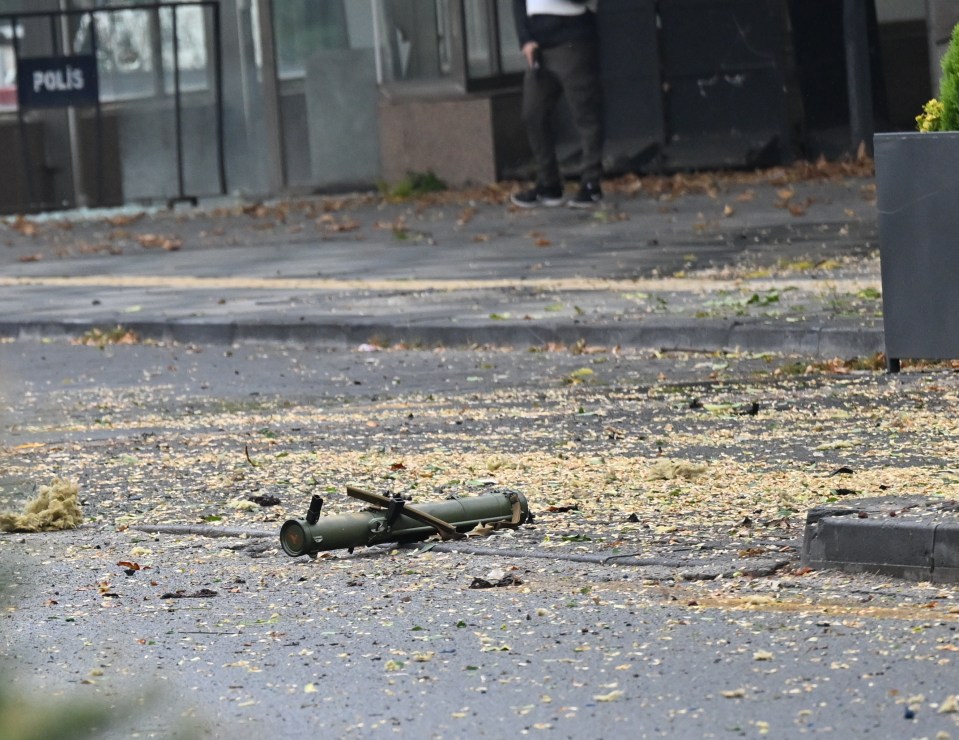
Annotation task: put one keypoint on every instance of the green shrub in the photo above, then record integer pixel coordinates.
(942, 114)
(949, 90)
(416, 184)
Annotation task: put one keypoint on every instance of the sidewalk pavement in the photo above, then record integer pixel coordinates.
(781, 261)
(770, 262)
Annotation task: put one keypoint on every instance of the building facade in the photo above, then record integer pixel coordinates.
(266, 97)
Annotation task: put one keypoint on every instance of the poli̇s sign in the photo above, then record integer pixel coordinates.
(57, 82)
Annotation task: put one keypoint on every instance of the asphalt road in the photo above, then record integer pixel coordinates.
(719, 633)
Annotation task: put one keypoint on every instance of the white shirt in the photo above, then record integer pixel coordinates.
(558, 7)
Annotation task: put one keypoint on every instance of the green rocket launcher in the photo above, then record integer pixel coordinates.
(396, 520)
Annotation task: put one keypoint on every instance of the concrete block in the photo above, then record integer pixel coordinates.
(850, 342)
(462, 139)
(873, 545)
(945, 553)
(341, 103)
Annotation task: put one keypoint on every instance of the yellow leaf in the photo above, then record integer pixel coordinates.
(614, 695)
(950, 705)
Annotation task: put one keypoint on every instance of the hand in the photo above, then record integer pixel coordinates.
(529, 51)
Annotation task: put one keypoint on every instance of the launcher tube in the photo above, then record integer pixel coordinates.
(364, 528)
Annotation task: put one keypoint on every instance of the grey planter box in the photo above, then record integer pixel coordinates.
(917, 181)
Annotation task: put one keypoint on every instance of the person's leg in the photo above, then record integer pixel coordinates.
(541, 91)
(577, 66)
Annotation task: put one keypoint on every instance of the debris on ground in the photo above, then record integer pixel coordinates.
(496, 579)
(55, 508)
(673, 469)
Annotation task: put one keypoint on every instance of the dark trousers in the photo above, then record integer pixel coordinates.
(570, 70)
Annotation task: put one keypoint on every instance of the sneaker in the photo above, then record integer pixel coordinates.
(590, 193)
(540, 195)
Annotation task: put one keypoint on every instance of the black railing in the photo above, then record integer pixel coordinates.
(58, 43)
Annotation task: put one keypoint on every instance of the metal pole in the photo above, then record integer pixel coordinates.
(21, 124)
(156, 52)
(53, 33)
(177, 106)
(218, 70)
(665, 90)
(378, 40)
(858, 74)
(99, 112)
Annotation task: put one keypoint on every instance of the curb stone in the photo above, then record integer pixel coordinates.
(905, 537)
(693, 336)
